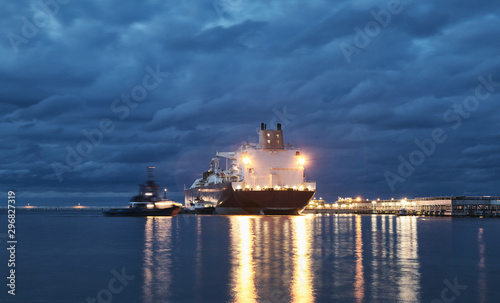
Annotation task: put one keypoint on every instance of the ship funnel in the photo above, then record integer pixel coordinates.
(271, 139)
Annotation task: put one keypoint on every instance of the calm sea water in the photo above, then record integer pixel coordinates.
(81, 256)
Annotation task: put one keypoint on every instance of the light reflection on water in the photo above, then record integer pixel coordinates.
(391, 245)
(359, 284)
(407, 257)
(279, 262)
(301, 287)
(157, 258)
(243, 272)
(345, 258)
(481, 267)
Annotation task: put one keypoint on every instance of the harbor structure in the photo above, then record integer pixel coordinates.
(487, 206)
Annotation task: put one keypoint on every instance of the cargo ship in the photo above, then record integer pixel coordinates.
(259, 178)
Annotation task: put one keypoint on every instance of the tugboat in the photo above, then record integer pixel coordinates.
(200, 207)
(148, 202)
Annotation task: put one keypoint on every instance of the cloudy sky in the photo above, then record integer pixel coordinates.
(387, 98)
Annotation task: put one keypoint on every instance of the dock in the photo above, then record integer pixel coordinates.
(457, 206)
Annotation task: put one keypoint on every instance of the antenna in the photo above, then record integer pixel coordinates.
(151, 173)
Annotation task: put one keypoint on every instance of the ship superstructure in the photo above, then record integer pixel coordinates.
(263, 178)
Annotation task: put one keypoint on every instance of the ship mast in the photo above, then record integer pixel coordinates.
(151, 173)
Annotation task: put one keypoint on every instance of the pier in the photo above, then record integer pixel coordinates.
(459, 206)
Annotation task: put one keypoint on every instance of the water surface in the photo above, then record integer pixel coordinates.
(78, 256)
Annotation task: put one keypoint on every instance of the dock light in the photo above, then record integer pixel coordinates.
(246, 160)
(358, 199)
(302, 160)
(150, 206)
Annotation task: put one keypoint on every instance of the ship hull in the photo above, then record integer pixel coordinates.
(243, 202)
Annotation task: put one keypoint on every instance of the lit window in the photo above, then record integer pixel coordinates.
(268, 134)
(268, 141)
(278, 141)
(277, 135)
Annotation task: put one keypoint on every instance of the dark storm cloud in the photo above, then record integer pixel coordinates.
(232, 65)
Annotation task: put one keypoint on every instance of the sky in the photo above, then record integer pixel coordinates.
(386, 98)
